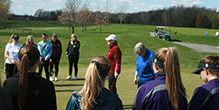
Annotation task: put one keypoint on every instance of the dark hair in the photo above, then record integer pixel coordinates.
(212, 60)
(29, 57)
(43, 34)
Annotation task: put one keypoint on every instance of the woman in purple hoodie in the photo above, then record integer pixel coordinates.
(166, 90)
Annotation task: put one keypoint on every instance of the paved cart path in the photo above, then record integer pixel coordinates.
(200, 47)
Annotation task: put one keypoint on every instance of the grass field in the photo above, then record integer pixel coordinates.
(93, 44)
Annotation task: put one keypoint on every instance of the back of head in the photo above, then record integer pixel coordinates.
(28, 55)
(169, 57)
(139, 48)
(94, 80)
(211, 60)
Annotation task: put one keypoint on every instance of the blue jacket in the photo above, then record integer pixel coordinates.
(143, 66)
(158, 99)
(105, 101)
(206, 97)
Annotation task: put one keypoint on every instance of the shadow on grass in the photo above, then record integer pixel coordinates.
(127, 106)
(62, 85)
(79, 79)
(64, 90)
(175, 40)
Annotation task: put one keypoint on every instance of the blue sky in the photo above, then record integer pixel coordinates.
(29, 7)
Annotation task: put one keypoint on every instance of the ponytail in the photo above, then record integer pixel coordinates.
(173, 77)
(23, 82)
(94, 81)
(169, 57)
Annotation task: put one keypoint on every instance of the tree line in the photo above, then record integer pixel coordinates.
(76, 13)
(177, 16)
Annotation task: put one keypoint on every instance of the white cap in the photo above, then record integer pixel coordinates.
(111, 37)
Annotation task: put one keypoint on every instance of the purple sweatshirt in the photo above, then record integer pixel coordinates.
(159, 100)
(206, 97)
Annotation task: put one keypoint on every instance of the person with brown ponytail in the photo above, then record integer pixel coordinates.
(29, 90)
(94, 96)
(166, 90)
(206, 97)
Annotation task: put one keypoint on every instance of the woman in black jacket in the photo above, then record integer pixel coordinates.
(72, 52)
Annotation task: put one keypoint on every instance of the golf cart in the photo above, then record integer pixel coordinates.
(162, 32)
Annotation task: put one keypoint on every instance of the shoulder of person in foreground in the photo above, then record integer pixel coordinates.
(108, 101)
(74, 102)
(5, 99)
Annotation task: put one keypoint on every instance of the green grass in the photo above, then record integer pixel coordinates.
(93, 44)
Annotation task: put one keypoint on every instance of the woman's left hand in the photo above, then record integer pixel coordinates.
(116, 74)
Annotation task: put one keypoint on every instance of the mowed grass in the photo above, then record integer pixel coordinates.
(93, 44)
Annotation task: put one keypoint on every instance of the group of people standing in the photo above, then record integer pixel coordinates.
(158, 76)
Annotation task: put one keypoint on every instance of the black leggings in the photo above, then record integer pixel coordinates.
(46, 66)
(55, 60)
(112, 83)
(73, 59)
(11, 70)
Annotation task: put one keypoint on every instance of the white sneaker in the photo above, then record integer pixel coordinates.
(56, 79)
(51, 79)
(69, 77)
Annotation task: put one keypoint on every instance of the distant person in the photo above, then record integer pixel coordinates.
(166, 90)
(5, 98)
(56, 56)
(114, 55)
(28, 89)
(45, 48)
(11, 54)
(206, 34)
(10, 41)
(93, 95)
(30, 40)
(206, 97)
(144, 72)
(216, 34)
(72, 53)
(175, 33)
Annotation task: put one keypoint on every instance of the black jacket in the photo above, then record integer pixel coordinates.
(41, 92)
(5, 99)
(73, 49)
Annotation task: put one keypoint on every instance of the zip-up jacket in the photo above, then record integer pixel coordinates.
(73, 49)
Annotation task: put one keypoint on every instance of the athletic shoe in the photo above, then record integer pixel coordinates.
(75, 78)
(51, 79)
(69, 77)
(56, 79)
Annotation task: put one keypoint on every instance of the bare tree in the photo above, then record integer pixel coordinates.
(86, 16)
(122, 7)
(7, 2)
(70, 13)
(106, 13)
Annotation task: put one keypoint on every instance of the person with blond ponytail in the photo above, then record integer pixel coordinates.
(93, 95)
(206, 97)
(166, 90)
(28, 89)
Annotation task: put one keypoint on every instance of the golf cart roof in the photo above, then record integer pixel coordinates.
(162, 27)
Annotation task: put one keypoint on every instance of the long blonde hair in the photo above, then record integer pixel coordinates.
(94, 81)
(27, 41)
(169, 56)
(11, 39)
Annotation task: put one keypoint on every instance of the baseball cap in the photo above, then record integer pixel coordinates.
(15, 36)
(205, 65)
(111, 37)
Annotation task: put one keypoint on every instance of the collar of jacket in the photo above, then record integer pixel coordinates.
(111, 45)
